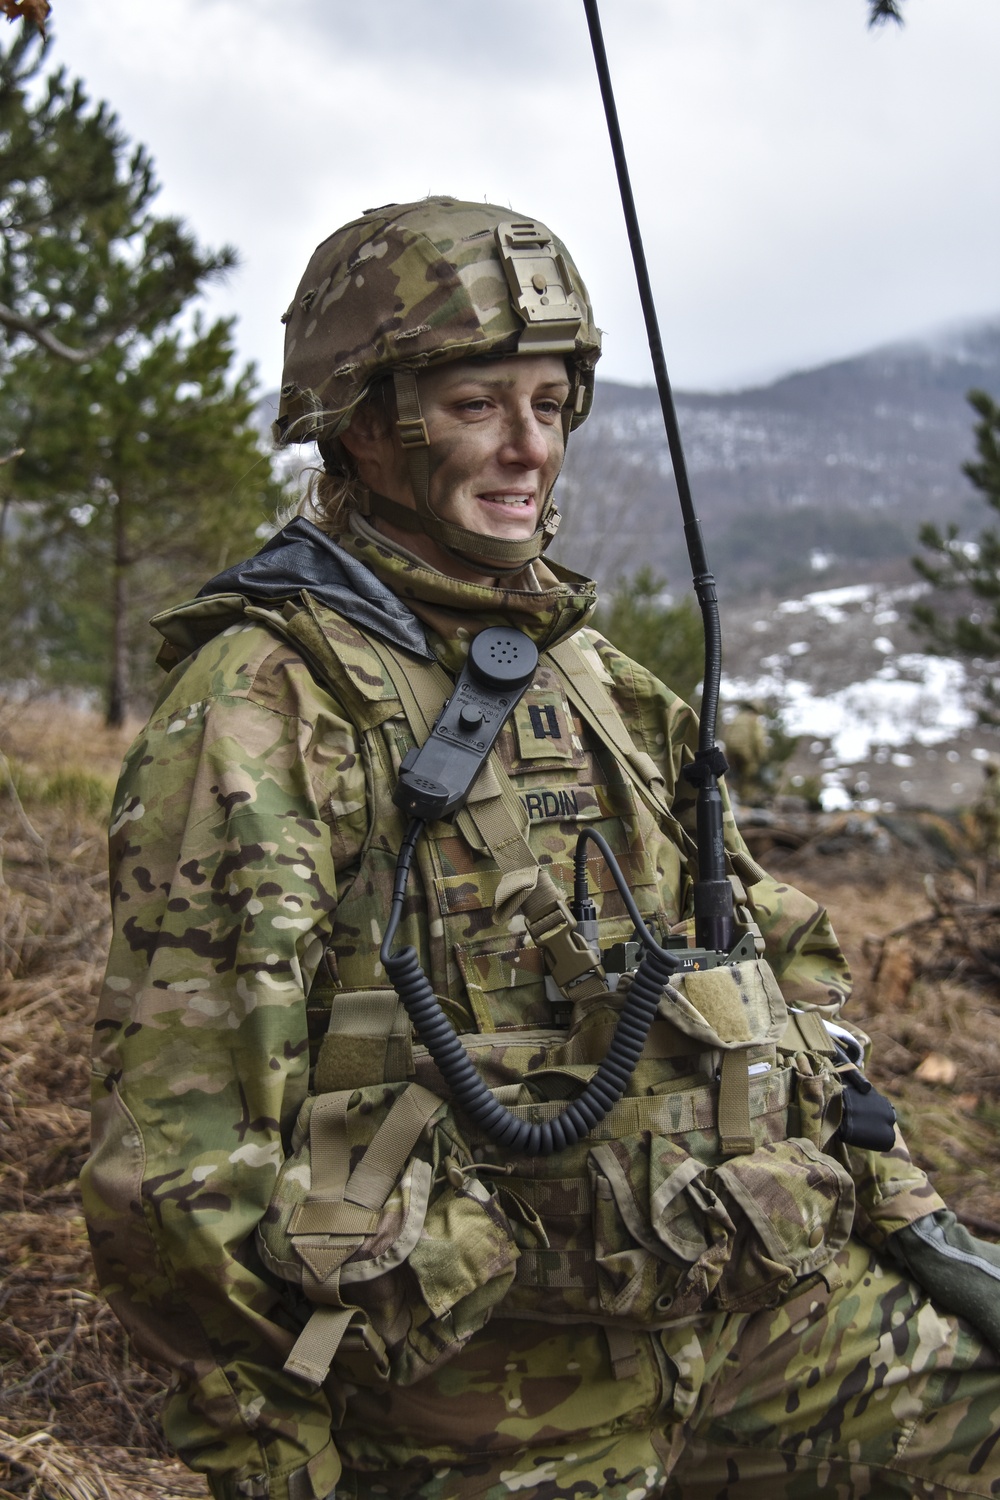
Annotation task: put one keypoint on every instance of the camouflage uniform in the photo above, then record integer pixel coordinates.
(251, 868)
(746, 750)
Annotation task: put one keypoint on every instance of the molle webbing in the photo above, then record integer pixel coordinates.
(805, 1032)
(734, 1104)
(595, 704)
(495, 813)
(342, 1207)
(674, 1113)
(368, 1039)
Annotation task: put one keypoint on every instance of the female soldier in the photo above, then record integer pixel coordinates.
(356, 1286)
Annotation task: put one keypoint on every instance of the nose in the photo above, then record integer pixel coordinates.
(527, 443)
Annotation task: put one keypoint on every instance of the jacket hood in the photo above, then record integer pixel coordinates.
(300, 556)
(396, 598)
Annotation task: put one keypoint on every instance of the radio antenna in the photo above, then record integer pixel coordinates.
(713, 896)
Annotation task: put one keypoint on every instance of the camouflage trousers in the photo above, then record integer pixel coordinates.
(867, 1389)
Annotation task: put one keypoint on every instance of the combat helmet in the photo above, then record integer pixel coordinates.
(414, 285)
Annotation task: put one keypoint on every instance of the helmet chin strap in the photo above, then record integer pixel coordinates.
(497, 554)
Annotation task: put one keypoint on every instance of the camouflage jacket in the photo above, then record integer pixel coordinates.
(240, 820)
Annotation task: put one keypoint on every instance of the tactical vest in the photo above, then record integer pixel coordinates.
(714, 1184)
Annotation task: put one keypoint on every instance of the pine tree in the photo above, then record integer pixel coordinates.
(665, 637)
(964, 620)
(138, 482)
(83, 260)
(141, 471)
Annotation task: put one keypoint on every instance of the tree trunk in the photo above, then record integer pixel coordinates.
(119, 686)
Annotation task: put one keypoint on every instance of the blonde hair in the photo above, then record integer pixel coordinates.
(329, 500)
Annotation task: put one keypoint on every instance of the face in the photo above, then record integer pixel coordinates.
(496, 450)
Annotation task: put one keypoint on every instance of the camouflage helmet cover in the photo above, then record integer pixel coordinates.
(417, 284)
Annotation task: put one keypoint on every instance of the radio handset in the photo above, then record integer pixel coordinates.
(435, 778)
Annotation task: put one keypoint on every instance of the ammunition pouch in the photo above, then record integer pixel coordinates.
(674, 1237)
(690, 1196)
(379, 1218)
(406, 1230)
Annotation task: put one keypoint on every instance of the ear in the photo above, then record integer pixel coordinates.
(372, 441)
(366, 434)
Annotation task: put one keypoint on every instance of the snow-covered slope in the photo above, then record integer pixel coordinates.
(880, 721)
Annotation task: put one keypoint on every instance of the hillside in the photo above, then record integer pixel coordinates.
(826, 474)
(881, 724)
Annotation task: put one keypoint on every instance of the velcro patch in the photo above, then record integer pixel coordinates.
(544, 731)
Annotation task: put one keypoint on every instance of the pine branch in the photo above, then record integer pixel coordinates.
(10, 319)
(880, 11)
(189, 269)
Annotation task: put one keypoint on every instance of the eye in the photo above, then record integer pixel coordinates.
(548, 406)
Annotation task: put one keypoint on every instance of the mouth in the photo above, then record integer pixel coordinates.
(509, 499)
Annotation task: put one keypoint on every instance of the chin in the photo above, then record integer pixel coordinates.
(510, 531)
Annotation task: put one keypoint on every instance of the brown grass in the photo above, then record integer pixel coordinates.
(920, 941)
(78, 1412)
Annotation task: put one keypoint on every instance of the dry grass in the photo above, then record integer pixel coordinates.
(78, 1412)
(920, 942)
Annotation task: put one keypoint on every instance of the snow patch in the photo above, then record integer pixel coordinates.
(927, 706)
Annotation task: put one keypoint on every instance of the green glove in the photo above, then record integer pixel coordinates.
(961, 1272)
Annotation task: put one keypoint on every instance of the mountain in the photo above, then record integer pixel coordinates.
(826, 472)
(820, 477)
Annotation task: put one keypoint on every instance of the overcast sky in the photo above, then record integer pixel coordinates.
(807, 188)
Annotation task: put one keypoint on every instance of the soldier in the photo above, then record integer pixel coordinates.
(747, 749)
(986, 813)
(357, 1290)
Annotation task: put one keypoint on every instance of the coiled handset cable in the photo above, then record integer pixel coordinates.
(470, 1093)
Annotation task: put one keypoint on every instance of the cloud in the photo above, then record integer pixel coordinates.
(806, 188)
